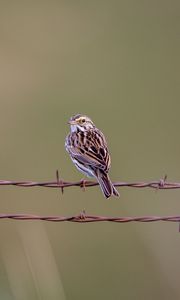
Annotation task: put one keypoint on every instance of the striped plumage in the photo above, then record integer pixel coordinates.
(89, 152)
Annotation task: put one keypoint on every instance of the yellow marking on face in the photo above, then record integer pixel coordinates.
(81, 120)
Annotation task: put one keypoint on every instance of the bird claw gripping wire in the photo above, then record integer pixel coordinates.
(83, 184)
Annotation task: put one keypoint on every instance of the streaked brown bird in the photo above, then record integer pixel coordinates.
(88, 150)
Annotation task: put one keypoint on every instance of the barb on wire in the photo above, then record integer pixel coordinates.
(60, 183)
(84, 218)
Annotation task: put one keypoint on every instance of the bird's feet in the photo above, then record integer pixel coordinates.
(83, 184)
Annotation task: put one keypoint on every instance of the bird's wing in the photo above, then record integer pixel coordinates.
(90, 149)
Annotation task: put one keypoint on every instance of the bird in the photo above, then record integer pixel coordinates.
(88, 149)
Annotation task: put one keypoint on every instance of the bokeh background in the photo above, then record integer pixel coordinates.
(118, 62)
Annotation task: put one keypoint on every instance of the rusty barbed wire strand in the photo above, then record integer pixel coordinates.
(59, 183)
(83, 218)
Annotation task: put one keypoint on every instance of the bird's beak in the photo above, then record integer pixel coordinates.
(72, 122)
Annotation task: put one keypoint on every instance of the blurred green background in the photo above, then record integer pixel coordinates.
(118, 62)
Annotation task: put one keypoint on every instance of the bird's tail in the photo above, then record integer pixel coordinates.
(106, 185)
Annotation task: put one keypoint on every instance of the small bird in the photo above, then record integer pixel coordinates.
(88, 150)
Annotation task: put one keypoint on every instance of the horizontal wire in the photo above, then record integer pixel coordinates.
(83, 218)
(59, 183)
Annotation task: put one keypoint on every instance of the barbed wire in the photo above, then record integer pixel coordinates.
(83, 218)
(60, 183)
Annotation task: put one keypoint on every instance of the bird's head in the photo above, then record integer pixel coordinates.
(81, 123)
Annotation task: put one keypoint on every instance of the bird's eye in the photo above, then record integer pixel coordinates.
(83, 120)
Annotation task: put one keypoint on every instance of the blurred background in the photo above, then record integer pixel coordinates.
(117, 62)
